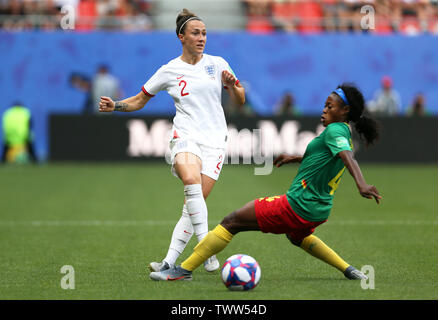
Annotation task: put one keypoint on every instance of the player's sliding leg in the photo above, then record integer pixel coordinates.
(243, 219)
(213, 243)
(216, 240)
(317, 248)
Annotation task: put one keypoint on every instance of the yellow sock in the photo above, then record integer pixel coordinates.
(314, 246)
(214, 242)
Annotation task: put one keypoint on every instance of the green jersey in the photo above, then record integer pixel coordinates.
(320, 172)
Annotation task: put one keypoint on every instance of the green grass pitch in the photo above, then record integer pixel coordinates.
(109, 220)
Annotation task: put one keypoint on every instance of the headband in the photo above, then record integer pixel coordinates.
(342, 95)
(192, 18)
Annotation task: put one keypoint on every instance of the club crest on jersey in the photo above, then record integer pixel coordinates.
(211, 70)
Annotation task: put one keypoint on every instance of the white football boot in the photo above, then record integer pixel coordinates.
(211, 264)
(158, 266)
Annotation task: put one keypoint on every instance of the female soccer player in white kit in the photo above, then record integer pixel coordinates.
(194, 80)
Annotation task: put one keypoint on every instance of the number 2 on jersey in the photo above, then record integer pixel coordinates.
(182, 89)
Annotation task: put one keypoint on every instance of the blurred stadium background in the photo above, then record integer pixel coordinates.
(289, 55)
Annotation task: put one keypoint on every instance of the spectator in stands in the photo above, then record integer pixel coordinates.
(104, 6)
(17, 135)
(232, 109)
(13, 11)
(135, 19)
(104, 84)
(335, 15)
(387, 16)
(60, 3)
(433, 17)
(301, 16)
(386, 100)
(107, 11)
(259, 15)
(418, 107)
(287, 106)
(353, 15)
(83, 83)
(257, 7)
(46, 14)
(31, 15)
(243, 110)
(405, 16)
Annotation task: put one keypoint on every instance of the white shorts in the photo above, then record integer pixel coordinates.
(212, 158)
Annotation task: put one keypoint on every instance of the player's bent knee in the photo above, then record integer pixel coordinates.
(190, 180)
(295, 242)
(228, 220)
(230, 223)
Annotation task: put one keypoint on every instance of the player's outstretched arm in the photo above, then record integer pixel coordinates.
(133, 103)
(284, 158)
(236, 91)
(365, 190)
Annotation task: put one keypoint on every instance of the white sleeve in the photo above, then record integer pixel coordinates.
(156, 83)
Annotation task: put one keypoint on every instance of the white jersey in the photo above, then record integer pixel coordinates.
(196, 91)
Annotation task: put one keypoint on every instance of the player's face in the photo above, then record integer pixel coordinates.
(334, 110)
(194, 37)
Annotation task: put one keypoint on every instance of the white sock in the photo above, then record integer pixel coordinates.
(182, 233)
(197, 209)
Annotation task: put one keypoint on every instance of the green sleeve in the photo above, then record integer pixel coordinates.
(338, 138)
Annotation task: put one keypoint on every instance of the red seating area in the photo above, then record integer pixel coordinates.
(90, 14)
(408, 17)
(316, 16)
(307, 15)
(88, 9)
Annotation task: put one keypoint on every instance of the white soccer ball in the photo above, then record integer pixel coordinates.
(241, 272)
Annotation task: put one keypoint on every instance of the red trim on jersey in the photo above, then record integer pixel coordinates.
(147, 93)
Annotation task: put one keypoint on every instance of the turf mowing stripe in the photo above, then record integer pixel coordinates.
(87, 223)
(152, 223)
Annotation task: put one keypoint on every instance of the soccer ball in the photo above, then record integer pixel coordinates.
(241, 272)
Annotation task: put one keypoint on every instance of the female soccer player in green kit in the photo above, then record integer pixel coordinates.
(308, 201)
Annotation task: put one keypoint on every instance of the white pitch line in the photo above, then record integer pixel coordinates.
(87, 223)
(153, 223)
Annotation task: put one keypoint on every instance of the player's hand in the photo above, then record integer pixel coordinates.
(284, 158)
(228, 79)
(106, 104)
(369, 192)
